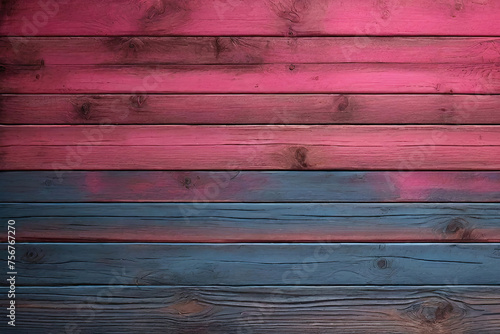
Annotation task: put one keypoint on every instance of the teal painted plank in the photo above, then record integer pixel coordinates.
(250, 222)
(270, 309)
(257, 264)
(247, 186)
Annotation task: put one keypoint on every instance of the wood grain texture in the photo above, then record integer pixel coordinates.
(275, 18)
(285, 309)
(245, 186)
(221, 222)
(257, 264)
(245, 50)
(183, 147)
(250, 109)
(274, 78)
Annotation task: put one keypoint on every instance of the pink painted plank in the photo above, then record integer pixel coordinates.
(250, 147)
(248, 109)
(280, 78)
(250, 17)
(245, 50)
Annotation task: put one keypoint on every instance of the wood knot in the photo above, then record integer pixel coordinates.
(186, 182)
(85, 110)
(219, 47)
(343, 103)
(432, 311)
(459, 228)
(37, 77)
(132, 45)
(291, 32)
(138, 101)
(382, 263)
(291, 67)
(187, 307)
(454, 226)
(33, 255)
(300, 158)
(289, 13)
(156, 10)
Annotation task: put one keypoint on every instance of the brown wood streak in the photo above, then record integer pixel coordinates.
(278, 309)
(249, 109)
(142, 50)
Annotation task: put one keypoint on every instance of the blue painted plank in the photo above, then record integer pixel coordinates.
(248, 186)
(254, 222)
(257, 264)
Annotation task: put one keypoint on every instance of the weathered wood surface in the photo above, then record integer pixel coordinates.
(250, 109)
(245, 50)
(256, 264)
(274, 18)
(236, 222)
(274, 78)
(270, 309)
(247, 186)
(185, 147)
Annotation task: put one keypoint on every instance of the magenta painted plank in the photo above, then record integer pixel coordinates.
(280, 78)
(178, 135)
(250, 17)
(185, 147)
(250, 109)
(245, 50)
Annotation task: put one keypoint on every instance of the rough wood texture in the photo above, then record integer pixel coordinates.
(257, 264)
(250, 17)
(245, 50)
(156, 94)
(183, 147)
(245, 186)
(278, 309)
(275, 78)
(250, 109)
(221, 222)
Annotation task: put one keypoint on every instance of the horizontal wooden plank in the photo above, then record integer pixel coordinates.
(289, 309)
(234, 222)
(245, 50)
(270, 78)
(250, 109)
(245, 186)
(184, 147)
(276, 18)
(256, 264)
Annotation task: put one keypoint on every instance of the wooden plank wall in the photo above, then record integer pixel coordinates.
(264, 166)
